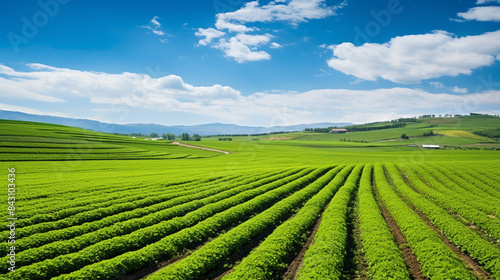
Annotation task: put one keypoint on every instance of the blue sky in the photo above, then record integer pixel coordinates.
(261, 63)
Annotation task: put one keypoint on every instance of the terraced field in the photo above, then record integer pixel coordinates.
(266, 211)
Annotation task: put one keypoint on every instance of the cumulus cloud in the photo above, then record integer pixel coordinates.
(238, 48)
(171, 93)
(209, 35)
(240, 23)
(52, 84)
(489, 13)
(413, 58)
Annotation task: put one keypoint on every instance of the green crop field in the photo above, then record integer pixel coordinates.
(303, 205)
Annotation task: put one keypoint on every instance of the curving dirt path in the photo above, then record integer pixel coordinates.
(198, 147)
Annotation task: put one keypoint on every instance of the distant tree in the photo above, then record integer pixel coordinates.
(185, 136)
(170, 136)
(196, 137)
(404, 136)
(154, 135)
(430, 133)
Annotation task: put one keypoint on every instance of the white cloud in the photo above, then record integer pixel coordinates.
(22, 109)
(51, 84)
(480, 2)
(413, 58)
(157, 32)
(459, 90)
(241, 21)
(209, 34)
(156, 28)
(135, 92)
(155, 22)
(275, 45)
(294, 11)
(490, 13)
(240, 51)
(437, 85)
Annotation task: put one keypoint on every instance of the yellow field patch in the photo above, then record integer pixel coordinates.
(461, 133)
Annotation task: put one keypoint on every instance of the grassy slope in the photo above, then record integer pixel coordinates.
(38, 141)
(448, 131)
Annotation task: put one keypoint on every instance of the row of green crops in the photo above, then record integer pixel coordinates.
(464, 237)
(324, 259)
(136, 224)
(270, 258)
(382, 253)
(235, 208)
(436, 259)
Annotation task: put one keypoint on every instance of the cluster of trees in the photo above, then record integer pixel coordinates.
(404, 136)
(186, 137)
(430, 133)
(320, 130)
(414, 119)
(171, 136)
(225, 139)
(353, 128)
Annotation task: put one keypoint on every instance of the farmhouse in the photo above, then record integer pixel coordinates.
(338, 130)
(430, 146)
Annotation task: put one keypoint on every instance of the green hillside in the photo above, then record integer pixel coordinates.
(451, 132)
(21, 140)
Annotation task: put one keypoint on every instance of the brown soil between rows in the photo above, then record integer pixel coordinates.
(244, 251)
(470, 262)
(410, 259)
(296, 264)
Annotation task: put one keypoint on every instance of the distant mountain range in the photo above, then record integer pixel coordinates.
(203, 129)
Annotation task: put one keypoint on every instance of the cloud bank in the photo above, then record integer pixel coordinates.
(412, 58)
(104, 91)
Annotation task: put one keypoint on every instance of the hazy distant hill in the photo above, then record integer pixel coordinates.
(203, 129)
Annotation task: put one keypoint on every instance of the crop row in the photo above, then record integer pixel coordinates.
(89, 216)
(212, 254)
(270, 258)
(152, 225)
(324, 259)
(437, 260)
(469, 196)
(461, 206)
(76, 193)
(462, 174)
(153, 243)
(142, 196)
(381, 251)
(129, 221)
(462, 236)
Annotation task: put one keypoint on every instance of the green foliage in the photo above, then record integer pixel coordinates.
(270, 258)
(196, 137)
(325, 257)
(381, 251)
(436, 259)
(185, 136)
(101, 219)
